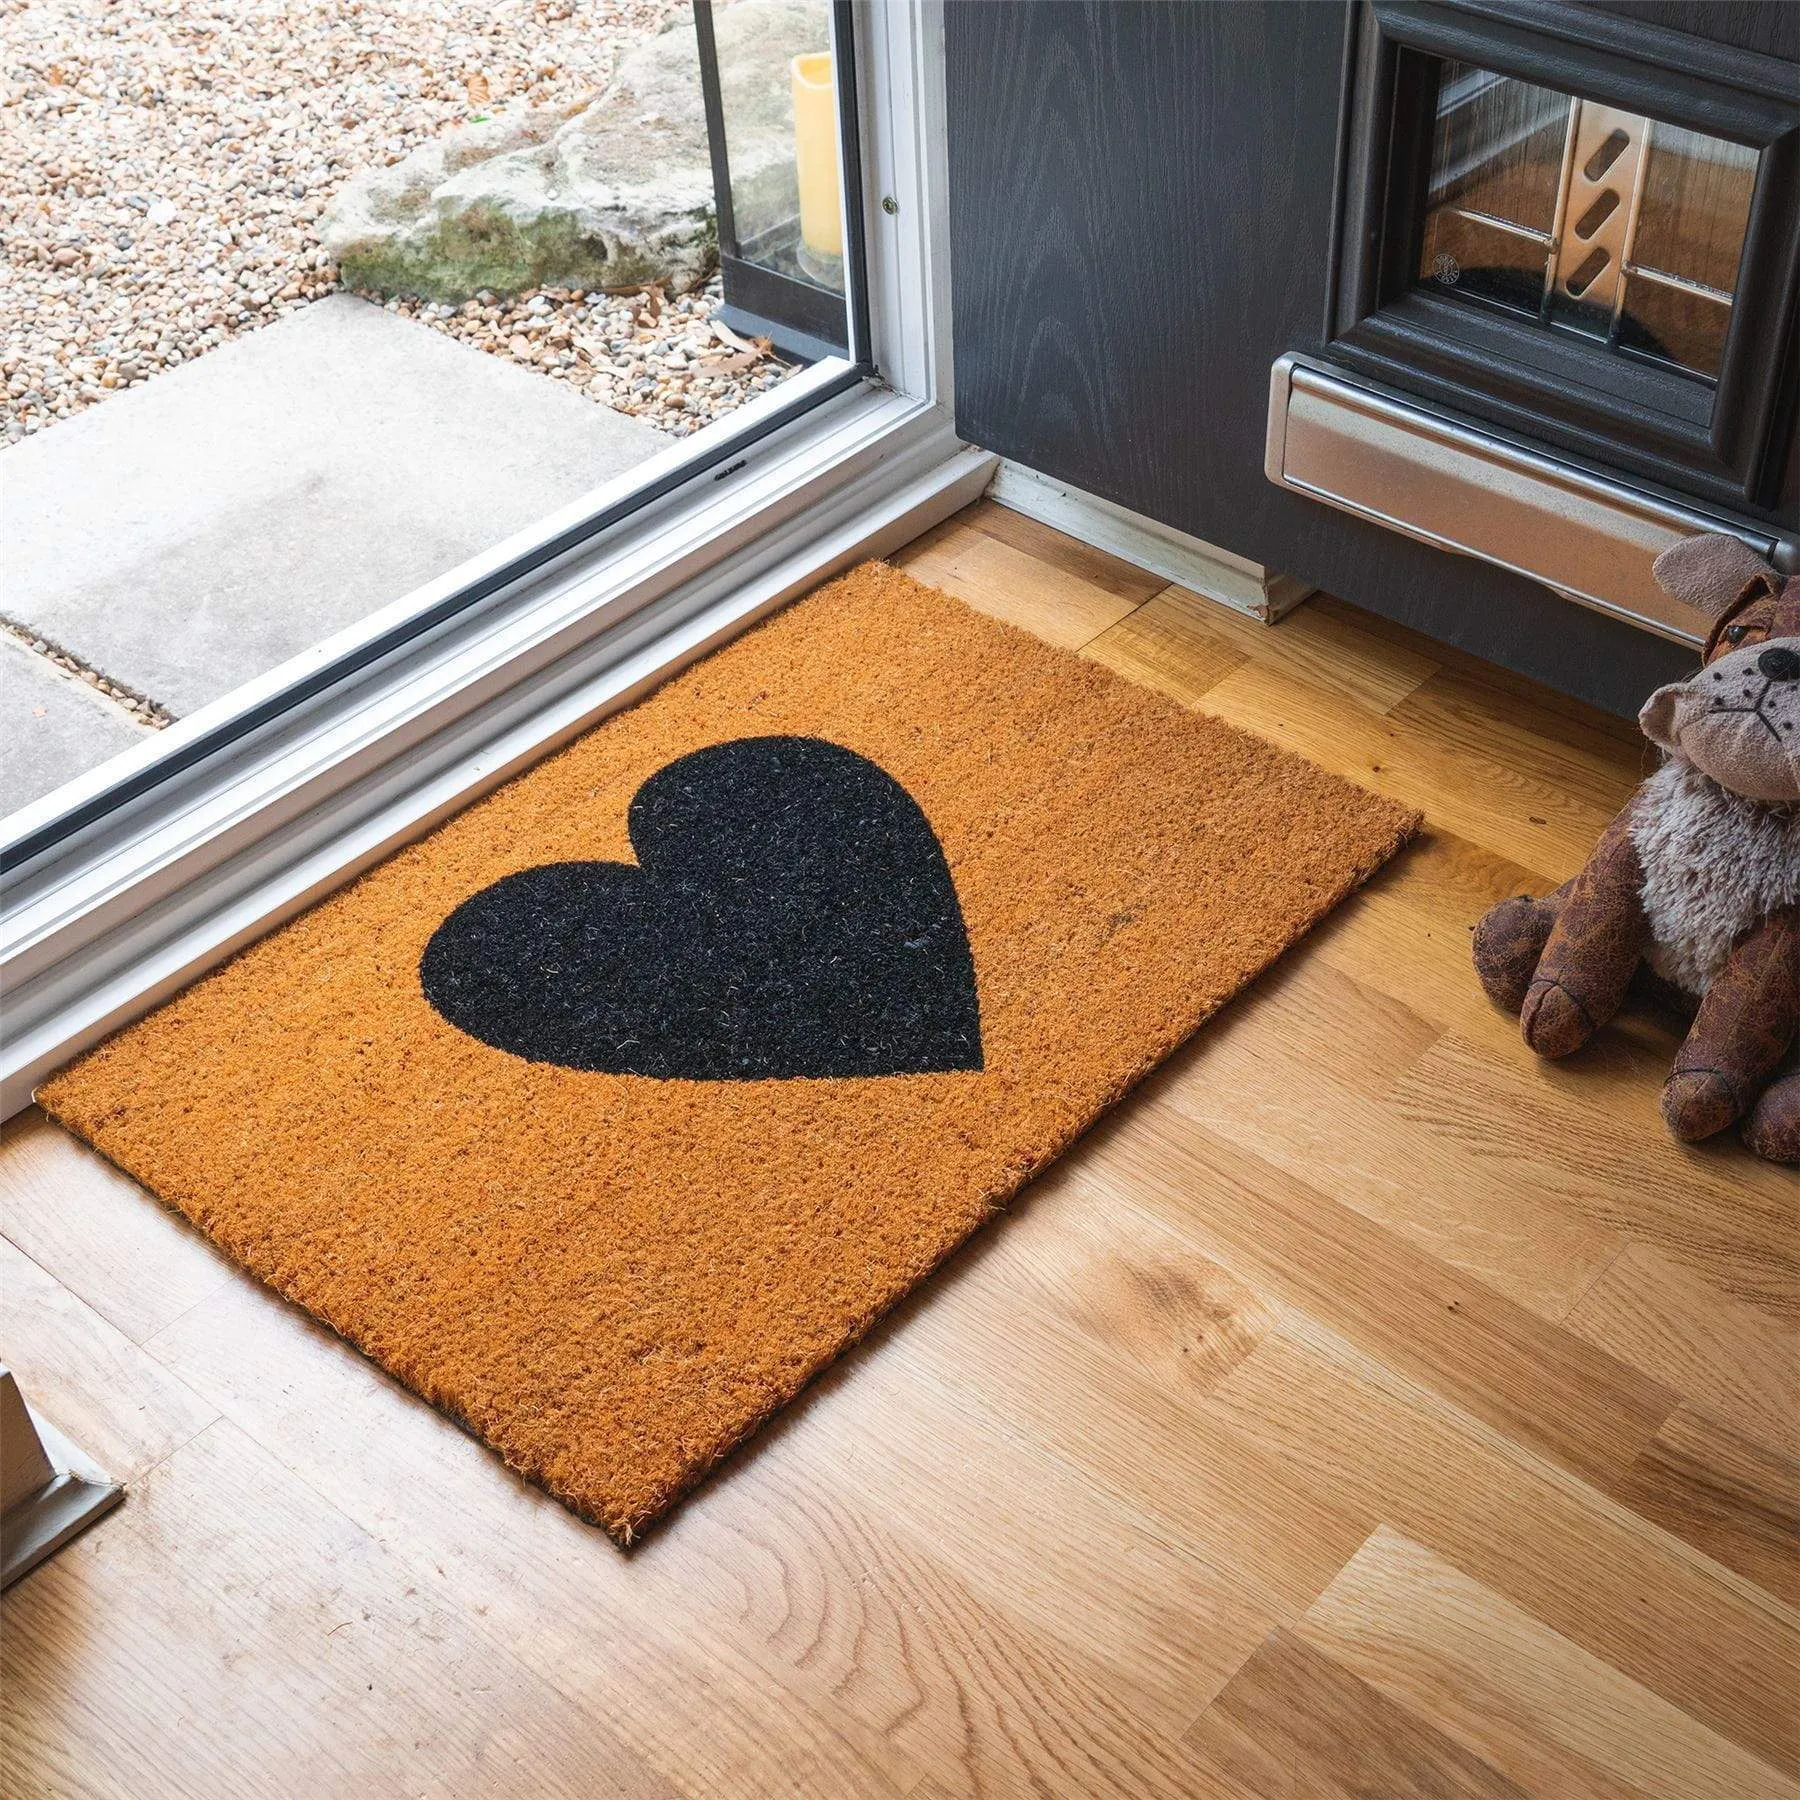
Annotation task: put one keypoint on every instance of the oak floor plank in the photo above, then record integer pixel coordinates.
(987, 1702)
(1333, 1131)
(1010, 584)
(978, 1690)
(1652, 1607)
(848, 1560)
(1161, 1454)
(1041, 1556)
(1294, 1722)
(1583, 758)
(87, 1378)
(86, 1223)
(1423, 735)
(690, 1697)
(1330, 649)
(1527, 814)
(1162, 646)
(1047, 546)
(303, 1663)
(1540, 1709)
(1736, 1499)
(1586, 1133)
(1519, 1372)
(1732, 1360)
(1366, 1408)
(1551, 713)
(1409, 934)
(1124, 1279)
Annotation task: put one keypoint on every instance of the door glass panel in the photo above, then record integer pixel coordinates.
(1498, 147)
(1586, 218)
(306, 308)
(1696, 206)
(1496, 169)
(1483, 259)
(1674, 323)
(1690, 239)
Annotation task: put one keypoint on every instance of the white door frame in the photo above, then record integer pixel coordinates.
(113, 917)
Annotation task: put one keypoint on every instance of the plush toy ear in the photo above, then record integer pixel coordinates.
(1708, 573)
(1657, 718)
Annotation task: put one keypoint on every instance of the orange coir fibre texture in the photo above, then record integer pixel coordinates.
(613, 1279)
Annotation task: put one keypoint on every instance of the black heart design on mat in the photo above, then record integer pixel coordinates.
(790, 914)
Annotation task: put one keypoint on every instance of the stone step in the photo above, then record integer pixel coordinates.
(192, 533)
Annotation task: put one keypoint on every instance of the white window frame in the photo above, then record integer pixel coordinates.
(115, 916)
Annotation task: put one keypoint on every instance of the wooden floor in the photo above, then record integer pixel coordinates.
(1365, 1409)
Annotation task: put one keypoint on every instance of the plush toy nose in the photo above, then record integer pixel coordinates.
(1779, 663)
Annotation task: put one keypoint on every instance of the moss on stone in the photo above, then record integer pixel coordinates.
(487, 249)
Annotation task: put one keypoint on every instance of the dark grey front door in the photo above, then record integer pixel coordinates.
(1151, 203)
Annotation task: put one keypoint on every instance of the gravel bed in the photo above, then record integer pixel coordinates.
(669, 362)
(164, 163)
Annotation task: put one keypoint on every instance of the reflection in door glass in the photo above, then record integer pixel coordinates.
(1585, 217)
(306, 306)
(1496, 168)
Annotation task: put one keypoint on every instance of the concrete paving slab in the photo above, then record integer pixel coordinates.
(53, 726)
(192, 533)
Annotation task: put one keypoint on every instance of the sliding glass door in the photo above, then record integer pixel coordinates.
(330, 327)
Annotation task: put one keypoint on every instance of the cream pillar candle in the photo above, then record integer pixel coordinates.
(816, 154)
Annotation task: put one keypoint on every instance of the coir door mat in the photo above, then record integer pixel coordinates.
(611, 1112)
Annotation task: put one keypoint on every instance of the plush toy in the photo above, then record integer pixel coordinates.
(1695, 886)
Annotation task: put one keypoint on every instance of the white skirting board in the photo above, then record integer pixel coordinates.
(1189, 562)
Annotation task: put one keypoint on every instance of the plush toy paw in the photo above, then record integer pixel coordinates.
(1554, 1022)
(1697, 1103)
(1508, 942)
(1773, 1128)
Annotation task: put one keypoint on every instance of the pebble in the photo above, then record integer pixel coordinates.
(165, 164)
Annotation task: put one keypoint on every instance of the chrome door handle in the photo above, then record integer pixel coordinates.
(1456, 486)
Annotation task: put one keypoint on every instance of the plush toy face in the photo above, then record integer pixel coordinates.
(1738, 720)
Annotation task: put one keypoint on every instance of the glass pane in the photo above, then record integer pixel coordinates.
(1497, 147)
(771, 93)
(1674, 324)
(1595, 221)
(306, 306)
(1475, 257)
(1696, 204)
